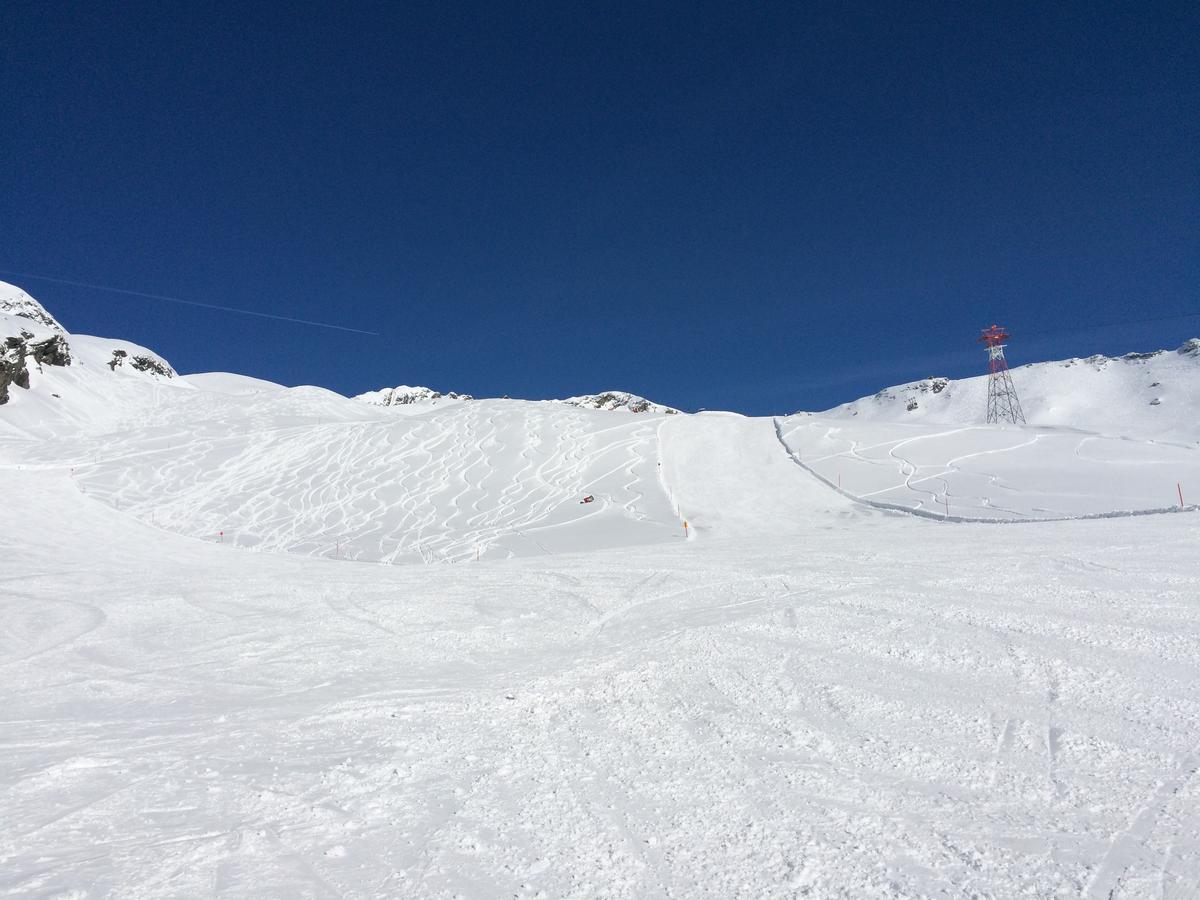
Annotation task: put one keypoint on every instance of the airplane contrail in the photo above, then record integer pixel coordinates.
(232, 309)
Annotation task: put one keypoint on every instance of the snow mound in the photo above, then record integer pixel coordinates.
(615, 400)
(230, 383)
(1141, 395)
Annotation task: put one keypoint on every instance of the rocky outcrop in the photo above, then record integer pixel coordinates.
(17, 350)
(12, 366)
(51, 351)
(141, 363)
(152, 365)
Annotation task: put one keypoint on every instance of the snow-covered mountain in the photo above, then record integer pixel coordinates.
(48, 374)
(619, 400)
(1153, 394)
(407, 395)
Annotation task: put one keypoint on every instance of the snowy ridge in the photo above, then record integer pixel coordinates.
(1142, 395)
(618, 400)
(15, 302)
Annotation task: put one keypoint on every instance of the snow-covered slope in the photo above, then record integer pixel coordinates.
(307, 471)
(806, 696)
(622, 400)
(995, 473)
(1140, 394)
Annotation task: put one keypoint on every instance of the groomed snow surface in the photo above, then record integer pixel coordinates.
(265, 642)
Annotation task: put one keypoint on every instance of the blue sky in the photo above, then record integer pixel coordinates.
(762, 209)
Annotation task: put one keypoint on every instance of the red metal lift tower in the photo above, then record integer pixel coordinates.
(1002, 404)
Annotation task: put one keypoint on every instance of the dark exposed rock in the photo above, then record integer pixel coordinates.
(51, 351)
(141, 364)
(15, 353)
(12, 366)
(150, 364)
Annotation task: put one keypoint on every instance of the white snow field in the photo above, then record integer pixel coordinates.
(997, 473)
(809, 695)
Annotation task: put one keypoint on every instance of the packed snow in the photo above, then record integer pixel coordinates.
(274, 642)
(995, 473)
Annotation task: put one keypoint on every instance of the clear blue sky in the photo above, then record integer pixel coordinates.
(761, 207)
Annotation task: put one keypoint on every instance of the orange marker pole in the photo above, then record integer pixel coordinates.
(685, 528)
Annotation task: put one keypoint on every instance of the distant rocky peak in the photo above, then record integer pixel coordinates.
(406, 395)
(614, 400)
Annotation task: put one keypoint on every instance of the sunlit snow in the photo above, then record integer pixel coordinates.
(274, 642)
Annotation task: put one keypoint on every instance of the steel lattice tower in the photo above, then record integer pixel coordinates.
(1002, 403)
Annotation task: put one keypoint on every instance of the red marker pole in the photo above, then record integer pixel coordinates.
(220, 537)
(1180, 490)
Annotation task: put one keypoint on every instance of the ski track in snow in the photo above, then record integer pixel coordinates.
(447, 488)
(808, 697)
(1034, 475)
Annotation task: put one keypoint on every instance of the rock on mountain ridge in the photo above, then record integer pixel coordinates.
(407, 395)
(15, 302)
(617, 400)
